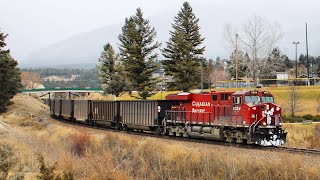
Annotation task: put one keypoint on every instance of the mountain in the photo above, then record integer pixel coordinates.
(85, 48)
(81, 48)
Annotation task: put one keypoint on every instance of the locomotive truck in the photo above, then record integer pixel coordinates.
(248, 116)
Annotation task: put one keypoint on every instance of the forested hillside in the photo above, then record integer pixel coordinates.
(67, 78)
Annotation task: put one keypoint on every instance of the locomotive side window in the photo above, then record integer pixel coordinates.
(214, 97)
(237, 100)
(225, 97)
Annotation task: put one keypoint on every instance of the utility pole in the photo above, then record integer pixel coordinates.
(307, 54)
(296, 43)
(201, 74)
(236, 56)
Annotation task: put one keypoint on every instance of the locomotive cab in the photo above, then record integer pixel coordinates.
(266, 128)
(261, 115)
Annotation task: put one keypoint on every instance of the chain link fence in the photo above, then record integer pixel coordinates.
(268, 83)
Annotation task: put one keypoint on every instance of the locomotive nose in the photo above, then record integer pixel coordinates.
(271, 114)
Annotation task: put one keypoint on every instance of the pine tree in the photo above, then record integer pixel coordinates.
(288, 63)
(10, 80)
(275, 63)
(136, 48)
(2, 42)
(218, 61)
(183, 52)
(111, 71)
(303, 60)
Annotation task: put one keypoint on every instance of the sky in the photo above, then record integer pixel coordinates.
(34, 24)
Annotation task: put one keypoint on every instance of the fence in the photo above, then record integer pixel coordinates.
(268, 83)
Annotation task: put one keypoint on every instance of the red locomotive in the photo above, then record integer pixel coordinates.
(243, 117)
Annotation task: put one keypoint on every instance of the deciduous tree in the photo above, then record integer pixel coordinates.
(237, 59)
(257, 37)
(293, 99)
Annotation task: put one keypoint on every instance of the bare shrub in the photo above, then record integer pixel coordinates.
(293, 100)
(46, 172)
(121, 146)
(318, 104)
(6, 160)
(68, 174)
(80, 143)
(315, 140)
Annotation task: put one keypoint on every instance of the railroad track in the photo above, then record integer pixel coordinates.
(293, 150)
(304, 151)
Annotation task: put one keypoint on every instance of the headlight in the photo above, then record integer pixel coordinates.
(264, 123)
(253, 115)
(277, 108)
(280, 124)
(244, 122)
(267, 107)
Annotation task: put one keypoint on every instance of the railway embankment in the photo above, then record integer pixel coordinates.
(30, 139)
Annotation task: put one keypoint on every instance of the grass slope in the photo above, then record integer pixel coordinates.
(68, 151)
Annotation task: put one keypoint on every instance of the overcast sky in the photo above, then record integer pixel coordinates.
(34, 24)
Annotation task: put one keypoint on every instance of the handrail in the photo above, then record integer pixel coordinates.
(255, 124)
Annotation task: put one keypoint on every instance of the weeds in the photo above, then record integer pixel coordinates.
(315, 140)
(46, 172)
(6, 160)
(68, 174)
(49, 172)
(80, 143)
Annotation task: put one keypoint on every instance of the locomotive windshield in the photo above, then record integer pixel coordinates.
(252, 99)
(267, 99)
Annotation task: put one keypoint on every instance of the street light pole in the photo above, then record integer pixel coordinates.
(296, 43)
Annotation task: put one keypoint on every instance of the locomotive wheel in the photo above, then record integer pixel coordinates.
(125, 127)
(118, 126)
(158, 130)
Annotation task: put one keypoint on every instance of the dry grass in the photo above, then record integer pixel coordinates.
(91, 154)
(303, 135)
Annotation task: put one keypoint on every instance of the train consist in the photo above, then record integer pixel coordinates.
(247, 116)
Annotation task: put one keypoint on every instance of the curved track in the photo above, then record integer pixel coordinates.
(304, 151)
(293, 150)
